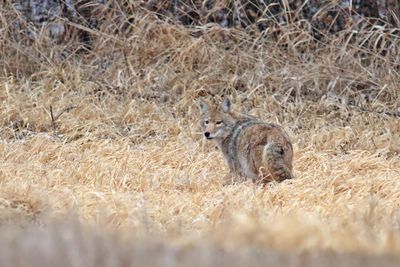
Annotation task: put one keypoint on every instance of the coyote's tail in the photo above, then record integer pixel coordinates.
(273, 157)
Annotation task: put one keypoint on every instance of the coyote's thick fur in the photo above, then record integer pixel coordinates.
(252, 148)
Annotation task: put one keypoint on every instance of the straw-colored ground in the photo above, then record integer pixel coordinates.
(125, 176)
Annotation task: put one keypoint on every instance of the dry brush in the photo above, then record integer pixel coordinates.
(106, 137)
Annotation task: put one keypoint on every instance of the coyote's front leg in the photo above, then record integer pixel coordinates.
(231, 177)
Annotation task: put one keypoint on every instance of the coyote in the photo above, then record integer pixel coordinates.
(252, 148)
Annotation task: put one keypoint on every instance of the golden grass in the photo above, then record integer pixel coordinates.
(129, 157)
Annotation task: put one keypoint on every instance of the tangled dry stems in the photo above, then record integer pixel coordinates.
(129, 158)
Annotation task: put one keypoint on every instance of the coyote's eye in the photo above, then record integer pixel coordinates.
(218, 123)
(206, 122)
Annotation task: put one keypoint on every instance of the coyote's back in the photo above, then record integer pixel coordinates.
(252, 148)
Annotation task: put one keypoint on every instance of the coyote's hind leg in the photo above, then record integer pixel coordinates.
(273, 161)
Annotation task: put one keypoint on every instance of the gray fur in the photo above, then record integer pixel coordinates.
(233, 139)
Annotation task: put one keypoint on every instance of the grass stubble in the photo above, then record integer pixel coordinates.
(124, 177)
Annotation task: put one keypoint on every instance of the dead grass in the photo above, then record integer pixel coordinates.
(130, 159)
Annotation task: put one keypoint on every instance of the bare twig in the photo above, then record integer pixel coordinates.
(55, 118)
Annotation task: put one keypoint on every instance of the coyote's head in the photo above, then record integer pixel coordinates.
(216, 121)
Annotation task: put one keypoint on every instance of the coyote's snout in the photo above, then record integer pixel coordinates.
(252, 148)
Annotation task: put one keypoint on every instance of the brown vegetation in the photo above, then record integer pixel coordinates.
(108, 134)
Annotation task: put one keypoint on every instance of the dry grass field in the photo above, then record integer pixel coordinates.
(102, 162)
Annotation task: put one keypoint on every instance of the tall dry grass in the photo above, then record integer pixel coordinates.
(110, 136)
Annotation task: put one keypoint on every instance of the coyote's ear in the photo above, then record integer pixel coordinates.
(203, 105)
(226, 105)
